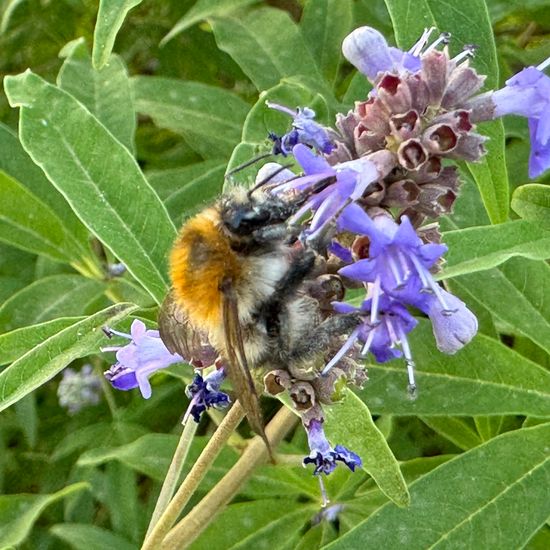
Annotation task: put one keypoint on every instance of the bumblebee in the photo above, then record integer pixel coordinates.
(240, 278)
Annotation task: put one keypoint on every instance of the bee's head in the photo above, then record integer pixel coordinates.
(245, 215)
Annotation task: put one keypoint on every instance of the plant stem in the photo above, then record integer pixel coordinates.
(194, 523)
(174, 472)
(194, 477)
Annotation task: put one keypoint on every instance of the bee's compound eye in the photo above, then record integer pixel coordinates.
(247, 219)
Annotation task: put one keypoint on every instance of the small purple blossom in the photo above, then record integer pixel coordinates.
(452, 329)
(368, 51)
(399, 262)
(205, 393)
(322, 455)
(304, 130)
(386, 323)
(349, 181)
(79, 389)
(138, 360)
(528, 94)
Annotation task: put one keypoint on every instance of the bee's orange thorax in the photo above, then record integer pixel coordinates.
(200, 261)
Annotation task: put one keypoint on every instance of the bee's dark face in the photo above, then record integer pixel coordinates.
(247, 217)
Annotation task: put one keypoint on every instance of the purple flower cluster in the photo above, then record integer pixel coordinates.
(369, 185)
(144, 355)
(322, 455)
(388, 154)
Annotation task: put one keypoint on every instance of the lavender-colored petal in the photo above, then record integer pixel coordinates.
(268, 172)
(405, 60)
(367, 49)
(204, 393)
(454, 330)
(526, 94)
(121, 378)
(349, 458)
(405, 235)
(144, 355)
(138, 329)
(539, 159)
(363, 270)
(144, 384)
(340, 251)
(312, 133)
(356, 220)
(431, 252)
(310, 162)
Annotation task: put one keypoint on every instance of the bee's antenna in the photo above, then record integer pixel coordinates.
(267, 179)
(247, 164)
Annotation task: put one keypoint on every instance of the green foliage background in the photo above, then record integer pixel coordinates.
(102, 155)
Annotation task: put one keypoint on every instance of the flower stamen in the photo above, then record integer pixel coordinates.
(417, 48)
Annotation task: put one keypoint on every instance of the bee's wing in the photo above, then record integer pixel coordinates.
(237, 366)
(175, 331)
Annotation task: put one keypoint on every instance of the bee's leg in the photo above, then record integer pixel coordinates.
(319, 338)
(271, 310)
(270, 234)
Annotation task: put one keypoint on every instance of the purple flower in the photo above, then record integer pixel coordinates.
(368, 51)
(136, 361)
(349, 182)
(398, 262)
(304, 130)
(384, 330)
(322, 455)
(526, 94)
(205, 393)
(79, 389)
(452, 329)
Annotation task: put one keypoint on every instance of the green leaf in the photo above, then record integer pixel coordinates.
(106, 92)
(270, 482)
(349, 423)
(463, 384)
(532, 202)
(18, 513)
(516, 294)
(17, 163)
(267, 523)
(324, 24)
(491, 175)
(110, 17)
(49, 298)
(185, 190)
(28, 223)
(468, 23)
(44, 361)
(150, 455)
(270, 46)
(87, 437)
(27, 416)
(459, 505)
(478, 248)
(122, 500)
(209, 118)
(97, 175)
(455, 429)
(81, 536)
(203, 9)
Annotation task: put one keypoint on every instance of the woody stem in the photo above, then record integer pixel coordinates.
(193, 524)
(194, 477)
